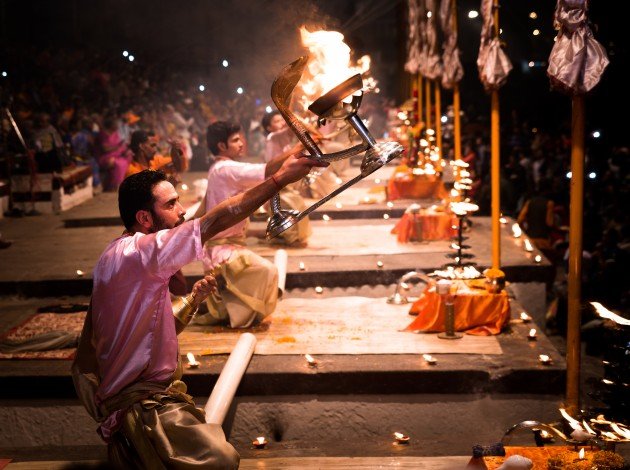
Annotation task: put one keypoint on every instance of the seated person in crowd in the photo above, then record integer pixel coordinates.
(251, 289)
(144, 145)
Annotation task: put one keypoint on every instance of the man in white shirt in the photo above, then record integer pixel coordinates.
(251, 291)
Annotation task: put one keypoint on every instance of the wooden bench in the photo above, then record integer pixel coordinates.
(53, 192)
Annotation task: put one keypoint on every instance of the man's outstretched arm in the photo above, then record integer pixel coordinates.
(233, 210)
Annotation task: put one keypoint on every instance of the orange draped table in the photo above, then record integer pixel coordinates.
(425, 225)
(405, 185)
(476, 311)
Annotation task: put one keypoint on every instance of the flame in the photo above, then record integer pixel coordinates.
(516, 230)
(528, 245)
(329, 64)
(525, 317)
(311, 361)
(581, 453)
(428, 358)
(574, 423)
(605, 313)
(260, 440)
(619, 430)
(532, 333)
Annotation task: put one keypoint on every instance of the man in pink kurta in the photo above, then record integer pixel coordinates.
(133, 323)
(126, 371)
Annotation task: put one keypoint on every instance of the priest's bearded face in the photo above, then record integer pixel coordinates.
(167, 211)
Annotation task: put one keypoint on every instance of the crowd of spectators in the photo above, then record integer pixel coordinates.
(535, 183)
(76, 106)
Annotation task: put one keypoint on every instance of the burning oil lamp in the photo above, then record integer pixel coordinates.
(385, 216)
(581, 454)
(192, 362)
(302, 266)
(319, 289)
(502, 220)
(546, 436)
(326, 217)
(429, 359)
(528, 245)
(259, 442)
(310, 360)
(544, 359)
(80, 273)
(525, 318)
(401, 439)
(390, 204)
(531, 336)
(338, 205)
(537, 259)
(379, 264)
(516, 230)
(340, 103)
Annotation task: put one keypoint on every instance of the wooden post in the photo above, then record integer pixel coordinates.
(495, 168)
(438, 117)
(575, 255)
(495, 162)
(419, 103)
(457, 130)
(427, 94)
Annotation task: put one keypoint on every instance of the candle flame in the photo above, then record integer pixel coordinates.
(516, 230)
(261, 440)
(619, 430)
(581, 453)
(528, 245)
(532, 332)
(544, 358)
(428, 358)
(605, 313)
(588, 428)
(574, 423)
(191, 359)
(311, 361)
(538, 258)
(326, 217)
(399, 435)
(525, 317)
(503, 220)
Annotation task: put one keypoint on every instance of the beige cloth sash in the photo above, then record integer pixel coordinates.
(250, 293)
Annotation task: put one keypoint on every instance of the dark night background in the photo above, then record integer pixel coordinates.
(259, 37)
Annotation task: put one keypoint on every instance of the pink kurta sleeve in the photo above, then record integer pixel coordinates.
(165, 252)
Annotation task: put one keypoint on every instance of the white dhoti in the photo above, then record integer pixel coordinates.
(251, 288)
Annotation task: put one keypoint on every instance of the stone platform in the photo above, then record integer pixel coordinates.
(351, 403)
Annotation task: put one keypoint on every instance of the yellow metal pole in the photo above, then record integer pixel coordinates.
(438, 117)
(456, 123)
(575, 255)
(427, 94)
(457, 137)
(495, 164)
(495, 161)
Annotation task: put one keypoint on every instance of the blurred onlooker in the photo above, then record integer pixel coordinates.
(537, 217)
(114, 156)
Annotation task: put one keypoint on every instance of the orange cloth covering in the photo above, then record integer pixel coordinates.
(410, 186)
(431, 225)
(476, 312)
(158, 162)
